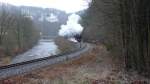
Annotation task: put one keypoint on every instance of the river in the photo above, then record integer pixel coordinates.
(44, 48)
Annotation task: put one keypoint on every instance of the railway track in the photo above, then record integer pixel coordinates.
(28, 66)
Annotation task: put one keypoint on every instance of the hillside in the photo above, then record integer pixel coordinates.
(47, 20)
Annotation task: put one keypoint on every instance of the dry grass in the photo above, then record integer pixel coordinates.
(94, 67)
(5, 60)
(64, 45)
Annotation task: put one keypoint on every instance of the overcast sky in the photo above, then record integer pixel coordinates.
(70, 6)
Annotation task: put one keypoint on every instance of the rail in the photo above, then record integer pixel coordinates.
(23, 67)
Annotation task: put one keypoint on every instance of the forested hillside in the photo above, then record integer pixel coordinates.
(47, 20)
(17, 32)
(124, 27)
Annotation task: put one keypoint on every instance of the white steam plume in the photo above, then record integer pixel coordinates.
(72, 27)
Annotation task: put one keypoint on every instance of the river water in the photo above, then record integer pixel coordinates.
(44, 48)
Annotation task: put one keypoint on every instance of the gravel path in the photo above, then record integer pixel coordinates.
(28, 67)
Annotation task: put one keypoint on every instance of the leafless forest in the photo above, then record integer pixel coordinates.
(124, 27)
(17, 32)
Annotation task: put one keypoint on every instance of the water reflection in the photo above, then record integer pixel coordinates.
(44, 48)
